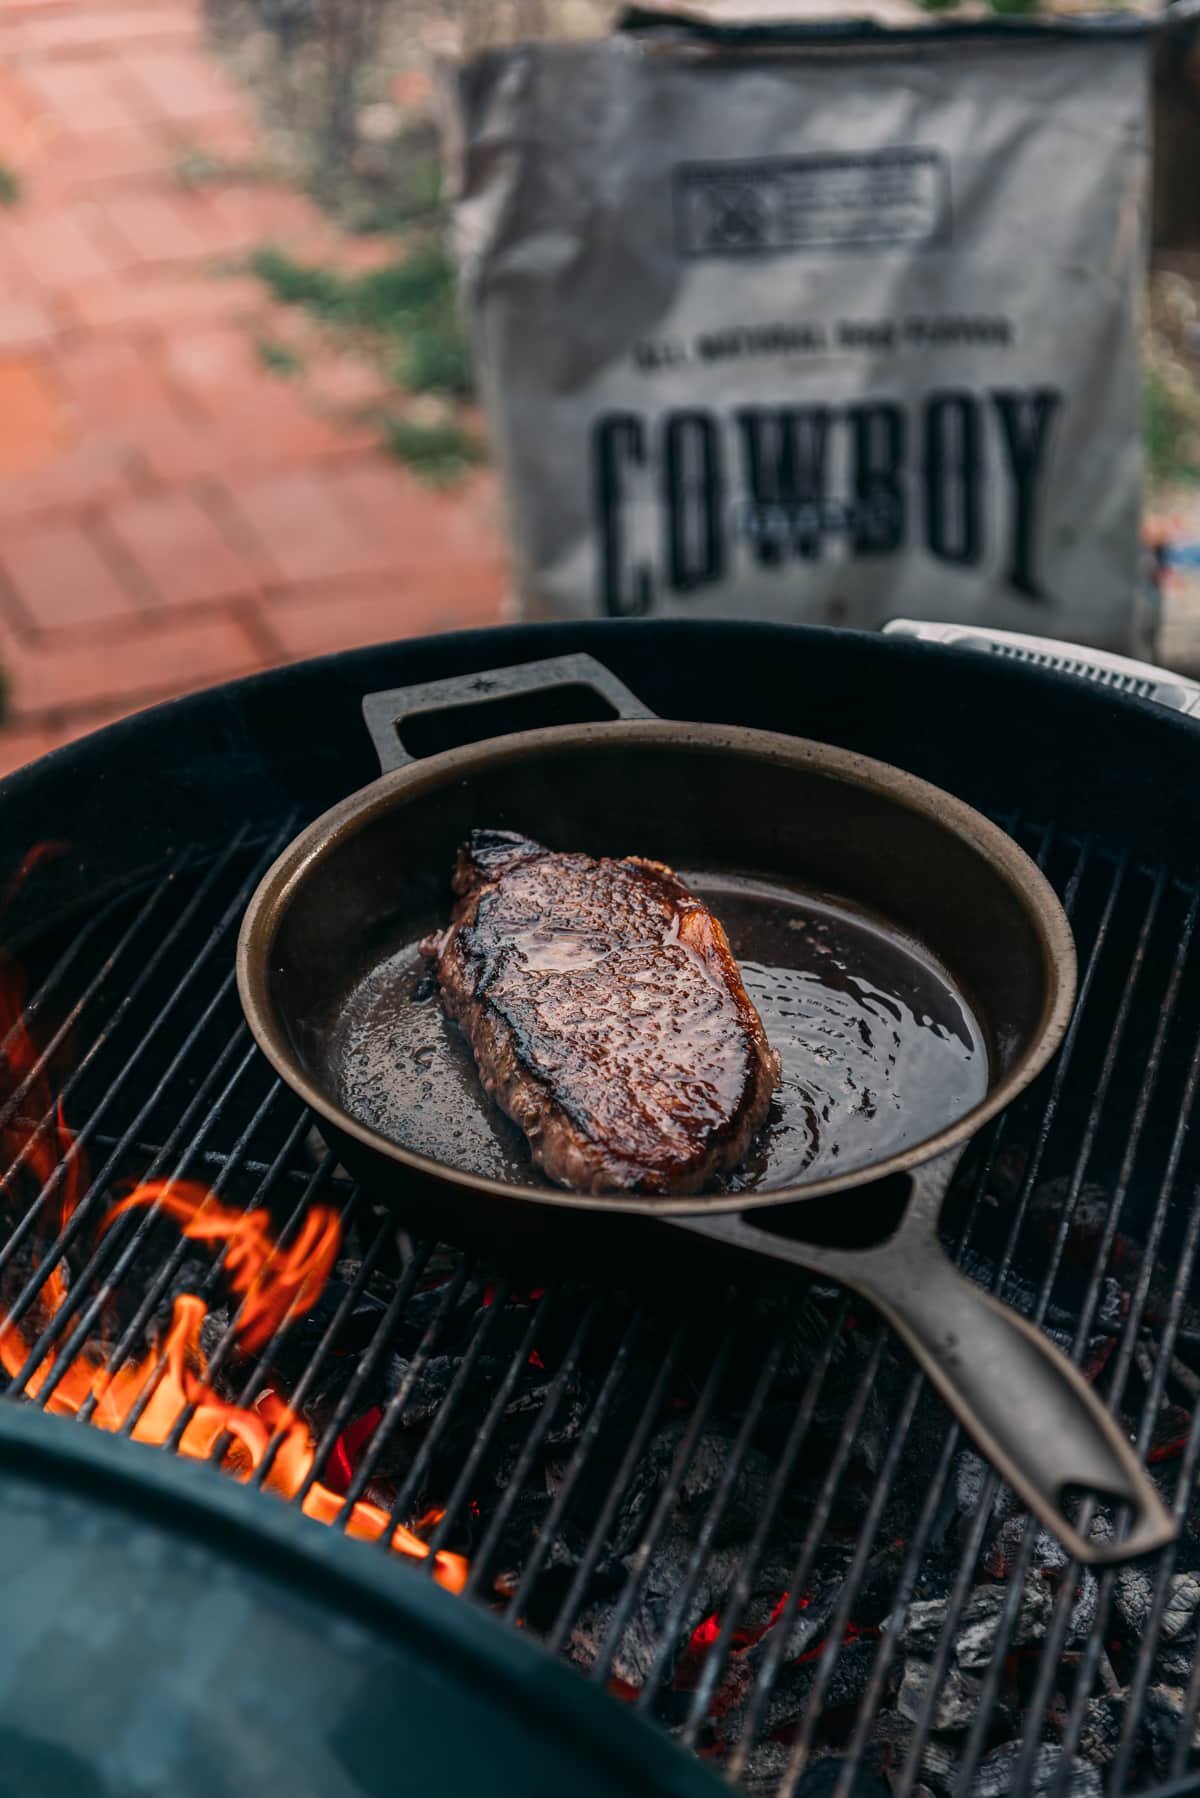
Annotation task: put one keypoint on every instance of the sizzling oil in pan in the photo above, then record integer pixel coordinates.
(879, 1048)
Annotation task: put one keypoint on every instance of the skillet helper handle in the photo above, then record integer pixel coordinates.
(385, 714)
(1029, 1410)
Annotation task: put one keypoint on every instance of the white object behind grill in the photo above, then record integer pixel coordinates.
(817, 331)
(1118, 672)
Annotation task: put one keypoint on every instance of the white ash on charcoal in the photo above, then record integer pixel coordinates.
(955, 1703)
(971, 1474)
(1048, 1555)
(1183, 1600)
(995, 1776)
(1083, 1610)
(1165, 1722)
(1133, 1597)
(939, 1766)
(1100, 1731)
(765, 1769)
(979, 1628)
(1173, 1667)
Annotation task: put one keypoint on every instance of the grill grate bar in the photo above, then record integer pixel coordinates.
(485, 1436)
(1133, 1322)
(906, 1585)
(88, 1201)
(623, 1609)
(70, 1020)
(331, 1332)
(1065, 1598)
(769, 1667)
(118, 1247)
(346, 1410)
(1170, 1333)
(341, 1417)
(677, 1609)
(1184, 1737)
(21, 1230)
(155, 1292)
(850, 1586)
(483, 1557)
(447, 1410)
(578, 1461)
(735, 1604)
(225, 1343)
(972, 1548)
(990, 1685)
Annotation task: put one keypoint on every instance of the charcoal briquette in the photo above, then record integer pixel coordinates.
(956, 1701)
(995, 1777)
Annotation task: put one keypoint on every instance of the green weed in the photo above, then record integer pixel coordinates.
(439, 453)
(279, 358)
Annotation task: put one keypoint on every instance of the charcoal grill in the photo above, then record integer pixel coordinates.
(738, 1508)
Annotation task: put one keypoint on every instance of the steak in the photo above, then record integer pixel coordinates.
(606, 1014)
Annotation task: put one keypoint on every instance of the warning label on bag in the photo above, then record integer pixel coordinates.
(801, 202)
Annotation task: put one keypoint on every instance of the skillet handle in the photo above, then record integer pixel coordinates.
(568, 687)
(1028, 1408)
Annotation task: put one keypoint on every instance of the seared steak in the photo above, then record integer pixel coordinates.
(606, 1014)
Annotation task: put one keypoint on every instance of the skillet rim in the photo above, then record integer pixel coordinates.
(285, 878)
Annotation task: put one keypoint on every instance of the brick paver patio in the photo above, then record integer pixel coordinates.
(171, 512)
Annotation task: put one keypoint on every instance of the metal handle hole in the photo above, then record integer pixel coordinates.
(451, 727)
(863, 1219)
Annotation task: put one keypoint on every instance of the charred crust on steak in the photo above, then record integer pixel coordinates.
(606, 1015)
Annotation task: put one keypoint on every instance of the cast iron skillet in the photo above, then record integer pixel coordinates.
(933, 913)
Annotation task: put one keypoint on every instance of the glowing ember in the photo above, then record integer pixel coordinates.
(166, 1395)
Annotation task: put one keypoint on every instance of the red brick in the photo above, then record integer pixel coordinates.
(317, 623)
(84, 474)
(244, 215)
(343, 381)
(63, 248)
(180, 85)
(75, 166)
(263, 435)
(217, 368)
(304, 533)
(24, 324)
(33, 417)
(180, 551)
(418, 523)
(17, 747)
(114, 384)
(155, 661)
(86, 95)
(80, 28)
(157, 227)
(60, 579)
(231, 137)
(167, 300)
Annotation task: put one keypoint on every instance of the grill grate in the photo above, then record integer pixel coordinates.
(741, 1510)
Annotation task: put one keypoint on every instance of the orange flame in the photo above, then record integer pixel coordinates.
(273, 1283)
(168, 1385)
(162, 1389)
